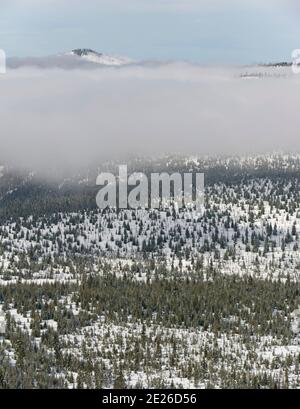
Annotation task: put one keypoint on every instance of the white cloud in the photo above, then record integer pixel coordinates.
(73, 117)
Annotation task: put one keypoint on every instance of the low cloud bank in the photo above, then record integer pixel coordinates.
(69, 118)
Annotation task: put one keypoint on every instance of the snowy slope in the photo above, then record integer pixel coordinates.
(79, 58)
(99, 58)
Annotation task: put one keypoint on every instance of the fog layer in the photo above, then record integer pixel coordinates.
(66, 118)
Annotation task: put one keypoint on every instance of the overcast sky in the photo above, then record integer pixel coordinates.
(206, 31)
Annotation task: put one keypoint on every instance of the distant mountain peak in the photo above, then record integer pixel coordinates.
(84, 51)
(99, 58)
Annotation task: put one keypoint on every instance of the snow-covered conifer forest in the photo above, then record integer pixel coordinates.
(111, 298)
